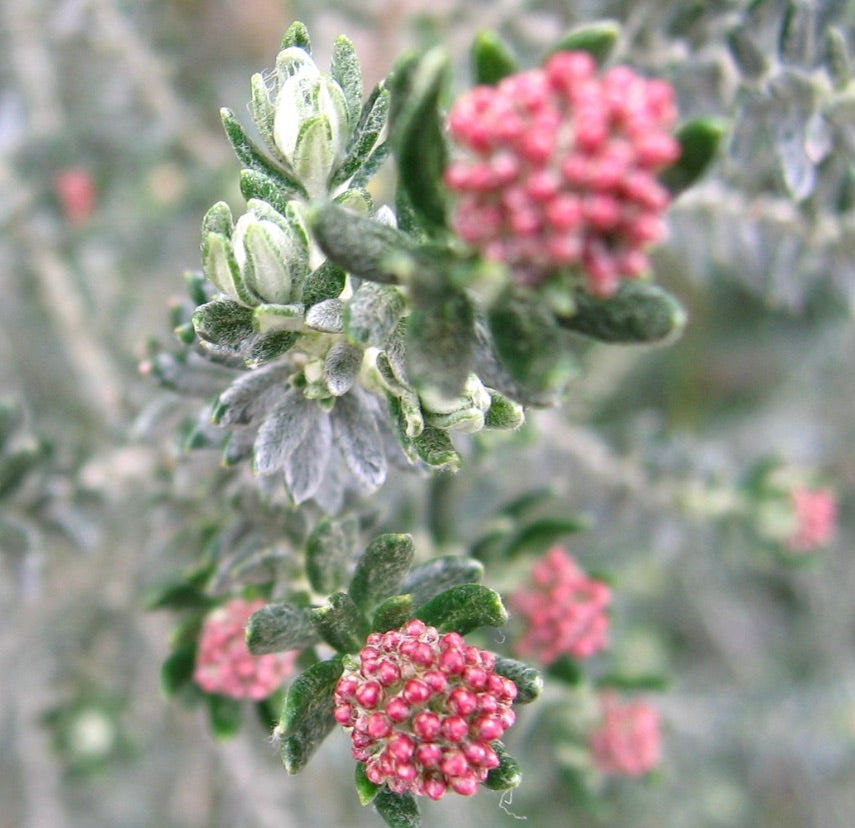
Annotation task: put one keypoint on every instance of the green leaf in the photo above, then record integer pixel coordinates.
(643, 681)
(566, 669)
(531, 347)
(347, 72)
(324, 282)
(329, 550)
(381, 569)
(221, 267)
(639, 312)
(218, 220)
(699, 142)
(503, 412)
(434, 446)
(186, 593)
(464, 608)
(307, 716)
(418, 136)
(837, 58)
(491, 59)
(597, 39)
(341, 367)
(507, 775)
(366, 790)
(341, 624)
(297, 35)
(398, 810)
(393, 613)
(529, 682)
(223, 322)
(373, 313)
(541, 534)
(279, 627)
(363, 246)
(363, 141)
(429, 579)
(440, 343)
(268, 347)
(225, 714)
(255, 184)
(251, 156)
(16, 465)
(177, 671)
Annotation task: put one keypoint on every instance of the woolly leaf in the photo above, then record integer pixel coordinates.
(279, 627)
(638, 313)
(529, 682)
(262, 186)
(223, 322)
(270, 346)
(491, 59)
(381, 569)
(429, 579)
(177, 671)
(283, 431)
(398, 810)
(440, 343)
(464, 608)
(699, 142)
(530, 345)
(221, 267)
(597, 39)
(297, 35)
(373, 313)
(341, 367)
(306, 466)
(341, 624)
(218, 220)
(326, 316)
(366, 790)
(307, 716)
(434, 446)
(394, 612)
(419, 137)
(507, 775)
(358, 438)
(363, 246)
(325, 282)
(566, 669)
(503, 413)
(250, 156)
(329, 550)
(269, 317)
(347, 72)
(225, 715)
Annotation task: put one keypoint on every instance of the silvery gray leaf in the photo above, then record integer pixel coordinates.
(342, 367)
(358, 438)
(798, 170)
(330, 494)
(372, 313)
(326, 316)
(798, 33)
(252, 395)
(306, 466)
(818, 138)
(283, 431)
(239, 445)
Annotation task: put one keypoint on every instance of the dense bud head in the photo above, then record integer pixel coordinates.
(224, 663)
(428, 731)
(564, 611)
(558, 167)
(628, 741)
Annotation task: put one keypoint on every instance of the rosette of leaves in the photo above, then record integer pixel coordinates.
(381, 592)
(465, 315)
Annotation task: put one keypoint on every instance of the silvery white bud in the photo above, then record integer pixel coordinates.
(464, 413)
(263, 252)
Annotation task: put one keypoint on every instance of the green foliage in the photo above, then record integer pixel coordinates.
(598, 39)
(491, 59)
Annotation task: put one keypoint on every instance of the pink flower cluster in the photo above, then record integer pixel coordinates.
(816, 518)
(564, 610)
(424, 709)
(560, 169)
(628, 741)
(224, 663)
(75, 189)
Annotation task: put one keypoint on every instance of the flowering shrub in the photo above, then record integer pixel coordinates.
(225, 665)
(560, 169)
(423, 710)
(564, 611)
(628, 741)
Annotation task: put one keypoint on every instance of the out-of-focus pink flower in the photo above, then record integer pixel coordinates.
(423, 710)
(75, 189)
(224, 663)
(816, 518)
(559, 168)
(628, 741)
(564, 610)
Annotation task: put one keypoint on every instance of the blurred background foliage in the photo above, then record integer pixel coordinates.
(760, 716)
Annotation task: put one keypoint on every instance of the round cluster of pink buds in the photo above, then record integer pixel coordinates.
(424, 709)
(563, 609)
(628, 741)
(75, 189)
(224, 663)
(560, 169)
(816, 519)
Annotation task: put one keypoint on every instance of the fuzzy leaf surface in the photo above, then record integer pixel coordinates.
(429, 579)
(398, 810)
(341, 624)
(279, 627)
(381, 569)
(329, 550)
(529, 682)
(699, 142)
(464, 608)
